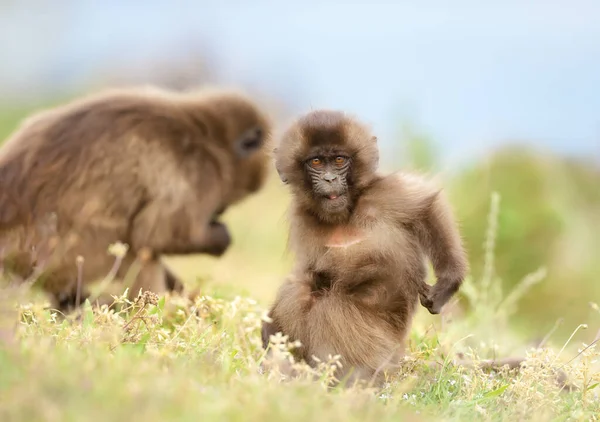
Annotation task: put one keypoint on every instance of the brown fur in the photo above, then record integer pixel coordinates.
(360, 270)
(147, 167)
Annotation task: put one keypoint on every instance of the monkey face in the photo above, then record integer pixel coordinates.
(327, 174)
(327, 157)
(239, 123)
(250, 163)
(252, 159)
(244, 129)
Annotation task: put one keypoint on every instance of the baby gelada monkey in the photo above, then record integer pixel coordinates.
(361, 242)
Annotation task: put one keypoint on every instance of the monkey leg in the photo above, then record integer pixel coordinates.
(368, 341)
(289, 313)
(67, 302)
(18, 263)
(269, 329)
(151, 276)
(149, 272)
(60, 285)
(174, 283)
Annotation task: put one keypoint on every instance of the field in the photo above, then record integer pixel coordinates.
(173, 359)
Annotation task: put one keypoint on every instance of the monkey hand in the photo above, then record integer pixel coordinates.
(425, 297)
(218, 239)
(437, 296)
(218, 213)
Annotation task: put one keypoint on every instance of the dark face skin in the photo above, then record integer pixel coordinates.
(328, 174)
(328, 159)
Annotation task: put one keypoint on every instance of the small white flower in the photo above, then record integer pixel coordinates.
(480, 409)
(118, 249)
(265, 317)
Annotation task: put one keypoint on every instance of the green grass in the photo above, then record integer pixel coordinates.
(173, 359)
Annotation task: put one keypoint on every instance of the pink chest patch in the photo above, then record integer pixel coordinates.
(342, 237)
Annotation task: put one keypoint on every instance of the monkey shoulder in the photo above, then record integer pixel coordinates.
(400, 196)
(120, 129)
(123, 117)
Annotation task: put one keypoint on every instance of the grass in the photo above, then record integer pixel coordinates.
(170, 358)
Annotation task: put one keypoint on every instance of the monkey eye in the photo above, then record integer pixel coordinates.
(249, 142)
(315, 162)
(339, 160)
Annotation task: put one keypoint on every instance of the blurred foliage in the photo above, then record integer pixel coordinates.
(415, 149)
(9, 119)
(549, 217)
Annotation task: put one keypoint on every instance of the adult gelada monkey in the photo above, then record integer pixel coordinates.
(147, 167)
(360, 241)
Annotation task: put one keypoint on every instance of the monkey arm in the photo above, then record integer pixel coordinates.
(174, 231)
(438, 235)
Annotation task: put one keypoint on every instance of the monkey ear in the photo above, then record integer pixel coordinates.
(277, 167)
(250, 141)
(281, 176)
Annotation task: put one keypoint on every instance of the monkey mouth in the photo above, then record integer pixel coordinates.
(332, 200)
(333, 196)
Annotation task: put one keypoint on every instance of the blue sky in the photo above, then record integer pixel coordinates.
(470, 73)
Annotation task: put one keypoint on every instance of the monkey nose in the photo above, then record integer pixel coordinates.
(329, 177)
